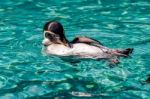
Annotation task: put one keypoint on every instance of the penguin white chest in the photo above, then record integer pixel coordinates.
(79, 49)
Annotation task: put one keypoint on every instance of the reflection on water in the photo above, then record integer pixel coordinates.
(27, 73)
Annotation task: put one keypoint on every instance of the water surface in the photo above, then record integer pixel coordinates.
(25, 72)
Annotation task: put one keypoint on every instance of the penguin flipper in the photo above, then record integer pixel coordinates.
(86, 40)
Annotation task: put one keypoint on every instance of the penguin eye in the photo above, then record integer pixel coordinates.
(51, 36)
(47, 35)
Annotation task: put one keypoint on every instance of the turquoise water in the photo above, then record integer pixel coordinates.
(25, 72)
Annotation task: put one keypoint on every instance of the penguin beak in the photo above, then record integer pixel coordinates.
(46, 42)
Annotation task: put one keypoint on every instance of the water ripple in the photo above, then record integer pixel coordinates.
(25, 72)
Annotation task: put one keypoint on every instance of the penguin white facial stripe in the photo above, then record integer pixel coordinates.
(50, 35)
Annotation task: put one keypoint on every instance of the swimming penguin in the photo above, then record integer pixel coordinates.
(56, 43)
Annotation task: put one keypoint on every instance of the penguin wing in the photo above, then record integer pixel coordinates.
(86, 40)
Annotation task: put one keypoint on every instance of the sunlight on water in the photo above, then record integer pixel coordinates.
(25, 72)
